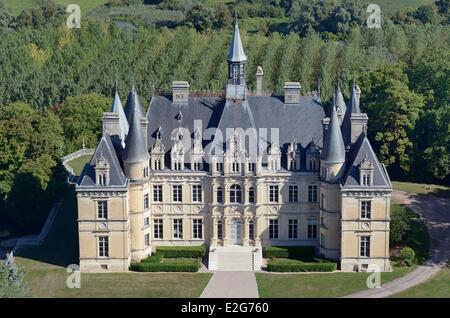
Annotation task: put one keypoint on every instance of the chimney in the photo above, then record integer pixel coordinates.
(144, 125)
(111, 124)
(259, 80)
(180, 92)
(292, 92)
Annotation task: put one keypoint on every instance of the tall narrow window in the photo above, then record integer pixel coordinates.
(322, 201)
(365, 246)
(197, 229)
(366, 209)
(102, 179)
(273, 229)
(312, 193)
(219, 195)
(251, 167)
(103, 246)
(102, 209)
(177, 194)
(158, 228)
(273, 193)
(312, 165)
(219, 166)
(146, 201)
(147, 239)
(145, 172)
(251, 230)
(197, 193)
(322, 240)
(235, 166)
(293, 229)
(251, 195)
(293, 193)
(177, 228)
(312, 229)
(157, 193)
(235, 194)
(219, 230)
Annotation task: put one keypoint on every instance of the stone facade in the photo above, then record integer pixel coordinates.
(313, 181)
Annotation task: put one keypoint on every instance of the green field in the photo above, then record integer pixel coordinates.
(419, 188)
(16, 6)
(78, 164)
(437, 287)
(304, 285)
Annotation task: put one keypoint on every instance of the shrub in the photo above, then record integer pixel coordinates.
(181, 251)
(291, 265)
(185, 265)
(407, 256)
(294, 252)
(155, 258)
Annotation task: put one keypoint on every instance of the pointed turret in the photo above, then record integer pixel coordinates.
(135, 149)
(354, 106)
(117, 108)
(133, 99)
(354, 122)
(341, 108)
(236, 51)
(333, 145)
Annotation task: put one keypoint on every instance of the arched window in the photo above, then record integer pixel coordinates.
(235, 194)
(219, 195)
(251, 195)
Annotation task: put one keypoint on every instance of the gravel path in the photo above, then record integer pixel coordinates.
(232, 285)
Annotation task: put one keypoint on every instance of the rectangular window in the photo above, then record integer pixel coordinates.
(322, 240)
(273, 229)
(146, 172)
(178, 229)
(219, 194)
(322, 201)
(103, 246)
(146, 221)
(197, 165)
(251, 230)
(157, 193)
(293, 193)
(293, 229)
(219, 230)
(146, 201)
(197, 193)
(102, 209)
(158, 228)
(177, 194)
(251, 195)
(365, 246)
(219, 167)
(197, 229)
(312, 193)
(147, 240)
(312, 229)
(251, 167)
(366, 209)
(235, 167)
(273, 193)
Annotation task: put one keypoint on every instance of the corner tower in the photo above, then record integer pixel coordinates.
(236, 59)
(136, 165)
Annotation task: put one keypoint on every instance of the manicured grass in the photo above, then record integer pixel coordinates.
(16, 6)
(46, 280)
(437, 287)
(318, 285)
(79, 163)
(437, 190)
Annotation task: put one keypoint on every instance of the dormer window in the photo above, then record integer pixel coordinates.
(102, 179)
(312, 165)
(235, 166)
(102, 171)
(366, 171)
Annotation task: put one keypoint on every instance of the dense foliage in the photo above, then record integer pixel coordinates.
(181, 251)
(11, 280)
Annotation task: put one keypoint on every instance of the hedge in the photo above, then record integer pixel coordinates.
(181, 251)
(189, 265)
(291, 265)
(294, 252)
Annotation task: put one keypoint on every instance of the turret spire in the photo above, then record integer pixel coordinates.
(135, 148)
(117, 108)
(333, 146)
(236, 51)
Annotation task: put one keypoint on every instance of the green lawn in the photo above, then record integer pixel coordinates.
(437, 287)
(328, 285)
(16, 6)
(79, 163)
(437, 190)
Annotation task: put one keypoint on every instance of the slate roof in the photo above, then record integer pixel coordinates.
(135, 149)
(117, 108)
(360, 149)
(333, 145)
(133, 98)
(106, 149)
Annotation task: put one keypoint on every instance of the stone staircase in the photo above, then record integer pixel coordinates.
(235, 258)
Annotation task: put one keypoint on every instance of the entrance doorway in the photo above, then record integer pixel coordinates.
(235, 232)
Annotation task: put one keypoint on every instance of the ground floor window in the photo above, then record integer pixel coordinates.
(147, 239)
(312, 229)
(293, 229)
(365, 246)
(158, 229)
(219, 230)
(197, 229)
(178, 229)
(251, 230)
(103, 246)
(273, 229)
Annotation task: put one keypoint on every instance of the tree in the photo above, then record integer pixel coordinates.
(82, 120)
(5, 16)
(200, 17)
(11, 280)
(393, 109)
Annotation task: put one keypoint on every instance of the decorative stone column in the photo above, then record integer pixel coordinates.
(257, 231)
(245, 231)
(225, 231)
(214, 231)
